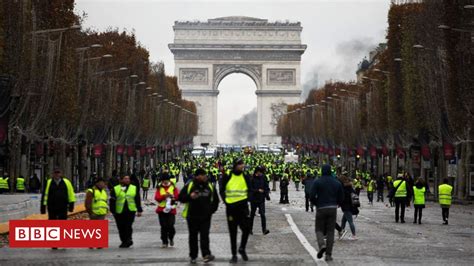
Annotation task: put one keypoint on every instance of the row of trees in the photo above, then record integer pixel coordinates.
(72, 94)
(414, 99)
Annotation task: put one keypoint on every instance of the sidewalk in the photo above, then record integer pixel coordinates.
(26, 206)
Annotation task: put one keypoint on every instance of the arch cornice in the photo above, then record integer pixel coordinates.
(220, 71)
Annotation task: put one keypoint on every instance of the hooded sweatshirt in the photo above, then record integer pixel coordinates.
(327, 191)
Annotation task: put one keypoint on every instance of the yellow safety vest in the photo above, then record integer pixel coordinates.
(162, 192)
(20, 183)
(236, 189)
(99, 201)
(402, 190)
(70, 191)
(357, 183)
(128, 196)
(173, 180)
(146, 183)
(444, 194)
(371, 186)
(3, 183)
(186, 205)
(419, 195)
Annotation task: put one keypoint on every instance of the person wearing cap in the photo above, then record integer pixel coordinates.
(96, 200)
(166, 195)
(125, 204)
(200, 202)
(259, 192)
(58, 197)
(234, 189)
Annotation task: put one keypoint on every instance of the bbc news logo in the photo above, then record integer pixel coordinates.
(59, 233)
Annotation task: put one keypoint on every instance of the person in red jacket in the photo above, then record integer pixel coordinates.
(166, 195)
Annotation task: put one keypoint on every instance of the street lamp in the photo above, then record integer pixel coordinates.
(73, 27)
(397, 59)
(107, 56)
(133, 76)
(469, 6)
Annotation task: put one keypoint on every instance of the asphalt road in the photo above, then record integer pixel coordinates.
(291, 241)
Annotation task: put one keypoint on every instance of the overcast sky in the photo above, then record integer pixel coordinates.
(338, 34)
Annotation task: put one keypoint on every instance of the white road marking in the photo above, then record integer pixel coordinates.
(312, 252)
(283, 209)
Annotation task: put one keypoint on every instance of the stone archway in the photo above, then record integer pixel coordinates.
(268, 52)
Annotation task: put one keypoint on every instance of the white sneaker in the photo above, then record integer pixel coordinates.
(352, 237)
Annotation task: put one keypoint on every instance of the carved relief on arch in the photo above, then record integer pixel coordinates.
(254, 71)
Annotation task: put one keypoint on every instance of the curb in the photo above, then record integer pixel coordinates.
(4, 227)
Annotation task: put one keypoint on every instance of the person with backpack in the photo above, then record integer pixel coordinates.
(419, 199)
(348, 207)
(201, 201)
(166, 195)
(399, 195)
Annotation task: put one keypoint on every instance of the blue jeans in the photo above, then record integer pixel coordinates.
(348, 217)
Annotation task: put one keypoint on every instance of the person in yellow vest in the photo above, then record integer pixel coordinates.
(201, 201)
(234, 189)
(419, 199)
(58, 197)
(400, 197)
(20, 184)
(357, 185)
(445, 192)
(166, 195)
(370, 190)
(125, 204)
(145, 186)
(96, 202)
(3, 185)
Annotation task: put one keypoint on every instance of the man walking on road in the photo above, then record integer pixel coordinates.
(234, 190)
(308, 182)
(201, 201)
(445, 197)
(125, 204)
(58, 197)
(400, 194)
(259, 190)
(326, 193)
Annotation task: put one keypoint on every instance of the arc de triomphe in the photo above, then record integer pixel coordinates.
(268, 52)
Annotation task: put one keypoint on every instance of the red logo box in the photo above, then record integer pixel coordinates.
(59, 233)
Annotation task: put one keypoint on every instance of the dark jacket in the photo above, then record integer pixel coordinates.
(223, 183)
(202, 206)
(58, 199)
(113, 199)
(256, 183)
(307, 183)
(284, 185)
(347, 202)
(327, 191)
